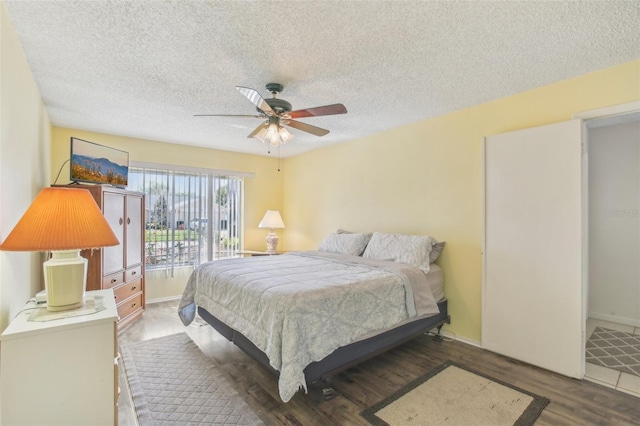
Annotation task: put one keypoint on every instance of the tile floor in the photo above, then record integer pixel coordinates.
(615, 379)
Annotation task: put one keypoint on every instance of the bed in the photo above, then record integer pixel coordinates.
(308, 315)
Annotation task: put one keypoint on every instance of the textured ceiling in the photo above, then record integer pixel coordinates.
(144, 68)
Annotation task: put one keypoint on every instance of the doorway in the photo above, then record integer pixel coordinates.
(613, 211)
(535, 241)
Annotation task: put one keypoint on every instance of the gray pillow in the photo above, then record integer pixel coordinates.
(345, 243)
(368, 234)
(436, 251)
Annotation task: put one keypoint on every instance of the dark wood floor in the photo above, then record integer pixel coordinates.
(573, 402)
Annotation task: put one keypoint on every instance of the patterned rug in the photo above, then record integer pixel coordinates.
(173, 383)
(614, 349)
(453, 395)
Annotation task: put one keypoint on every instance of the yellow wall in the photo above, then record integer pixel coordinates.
(24, 167)
(426, 178)
(262, 192)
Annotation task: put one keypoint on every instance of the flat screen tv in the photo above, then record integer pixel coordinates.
(94, 163)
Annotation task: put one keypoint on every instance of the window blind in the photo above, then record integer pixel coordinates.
(191, 215)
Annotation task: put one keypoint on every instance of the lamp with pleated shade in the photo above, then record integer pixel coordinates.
(62, 221)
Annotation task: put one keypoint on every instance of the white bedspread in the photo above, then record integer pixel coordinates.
(299, 307)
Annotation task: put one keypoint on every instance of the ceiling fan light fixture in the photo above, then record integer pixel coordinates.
(285, 135)
(262, 134)
(272, 134)
(278, 135)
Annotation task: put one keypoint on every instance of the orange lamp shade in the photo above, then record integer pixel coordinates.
(61, 219)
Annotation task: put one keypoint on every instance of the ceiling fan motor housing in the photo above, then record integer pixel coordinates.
(278, 105)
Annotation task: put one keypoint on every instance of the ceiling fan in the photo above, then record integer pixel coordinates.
(277, 114)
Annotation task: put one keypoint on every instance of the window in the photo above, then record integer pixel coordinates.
(191, 215)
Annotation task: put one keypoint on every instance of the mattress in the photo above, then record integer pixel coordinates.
(435, 281)
(345, 356)
(299, 307)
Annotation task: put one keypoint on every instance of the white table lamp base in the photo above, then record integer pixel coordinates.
(272, 242)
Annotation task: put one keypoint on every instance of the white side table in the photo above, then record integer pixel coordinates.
(63, 371)
(257, 253)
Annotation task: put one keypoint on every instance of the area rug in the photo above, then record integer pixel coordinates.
(614, 349)
(453, 395)
(173, 383)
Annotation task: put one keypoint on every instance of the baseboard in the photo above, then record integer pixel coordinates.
(469, 342)
(163, 299)
(613, 318)
(450, 335)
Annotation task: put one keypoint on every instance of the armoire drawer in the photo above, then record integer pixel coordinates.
(112, 280)
(133, 273)
(127, 290)
(129, 306)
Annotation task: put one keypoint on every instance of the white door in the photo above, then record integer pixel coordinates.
(113, 210)
(134, 250)
(533, 289)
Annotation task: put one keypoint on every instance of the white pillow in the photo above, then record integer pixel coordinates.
(352, 244)
(411, 249)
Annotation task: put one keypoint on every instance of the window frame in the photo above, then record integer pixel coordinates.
(213, 238)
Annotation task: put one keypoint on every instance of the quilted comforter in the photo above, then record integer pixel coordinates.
(299, 307)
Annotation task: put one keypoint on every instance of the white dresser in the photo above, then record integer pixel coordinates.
(63, 371)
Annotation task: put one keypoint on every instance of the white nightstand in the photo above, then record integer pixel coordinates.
(257, 253)
(63, 371)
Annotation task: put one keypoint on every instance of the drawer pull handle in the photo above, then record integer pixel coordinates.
(133, 273)
(128, 221)
(113, 280)
(120, 221)
(133, 287)
(133, 304)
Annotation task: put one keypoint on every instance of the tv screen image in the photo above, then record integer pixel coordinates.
(94, 163)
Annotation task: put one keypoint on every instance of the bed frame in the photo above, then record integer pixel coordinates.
(344, 357)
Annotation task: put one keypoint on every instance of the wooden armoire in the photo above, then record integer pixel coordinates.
(120, 267)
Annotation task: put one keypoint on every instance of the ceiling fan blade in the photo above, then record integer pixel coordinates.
(227, 115)
(255, 132)
(307, 128)
(256, 99)
(318, 111)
